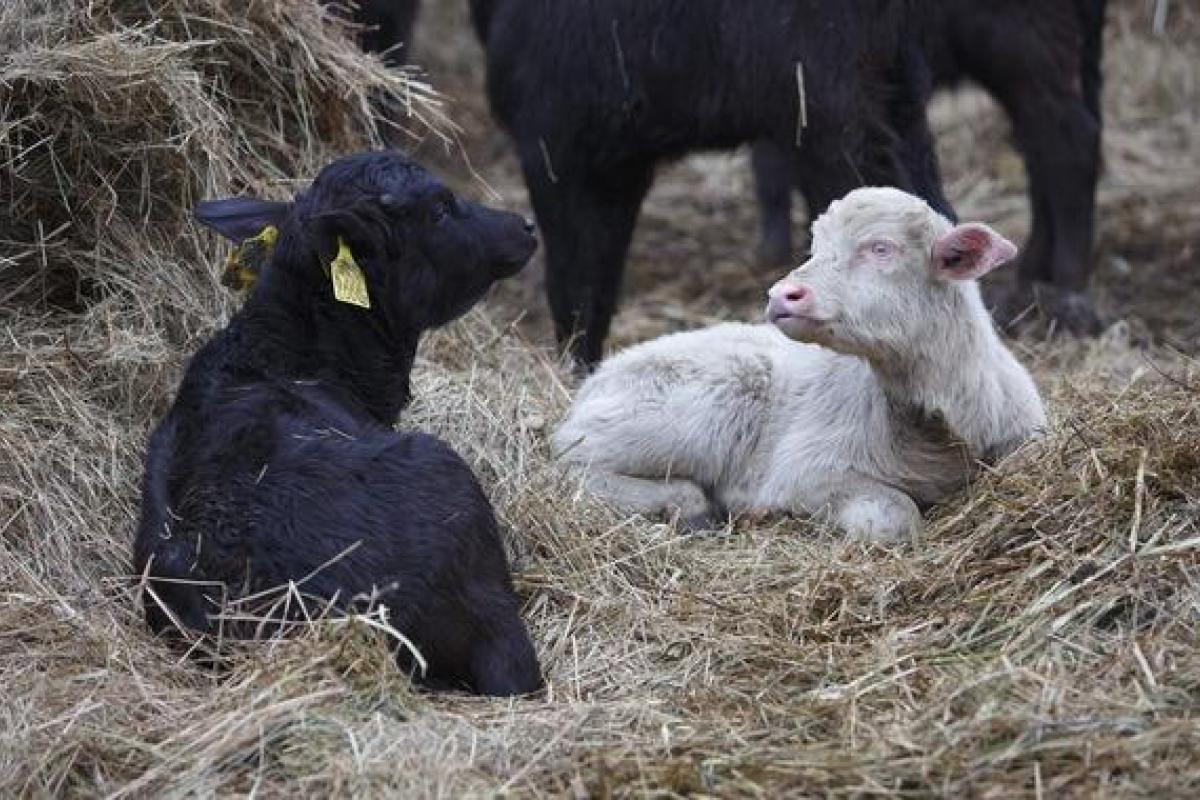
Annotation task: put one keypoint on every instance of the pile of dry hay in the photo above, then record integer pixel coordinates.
(1042, 638)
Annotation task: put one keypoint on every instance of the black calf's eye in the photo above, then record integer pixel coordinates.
(441, 208)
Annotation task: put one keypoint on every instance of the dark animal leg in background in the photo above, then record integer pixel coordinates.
(773, 187)
(389, 31)
(918, 154)
(389, 28)
(776, 169)
(824, 172)
(1036, 257)
(587, 222)
(1061, 142)
(1052, 108)
(826, 168)
(1014, 305)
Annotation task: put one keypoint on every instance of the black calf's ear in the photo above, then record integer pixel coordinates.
(358, 225)
(240, 218)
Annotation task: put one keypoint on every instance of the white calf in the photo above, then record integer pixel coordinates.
(878, 386)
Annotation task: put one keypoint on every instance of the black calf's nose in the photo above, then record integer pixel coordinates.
(530, 227)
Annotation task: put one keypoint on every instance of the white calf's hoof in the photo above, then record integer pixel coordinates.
(874, 518)
(711, 520)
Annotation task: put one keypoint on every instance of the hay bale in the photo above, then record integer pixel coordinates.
(123, 114)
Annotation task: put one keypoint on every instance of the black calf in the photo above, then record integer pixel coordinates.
(277, 461)
(596, 92)
(1041, 60)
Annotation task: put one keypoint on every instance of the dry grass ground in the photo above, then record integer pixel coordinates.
(1042, 640)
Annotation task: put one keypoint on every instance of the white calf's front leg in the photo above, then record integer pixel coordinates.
(652, 496)
(864, 508)
(880, 514)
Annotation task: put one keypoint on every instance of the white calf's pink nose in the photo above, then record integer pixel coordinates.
(795, 294)
(790, 300)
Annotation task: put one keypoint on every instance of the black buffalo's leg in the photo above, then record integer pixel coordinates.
(772, 167)
(1059, 138)
(821, 178)
(827, 167)
(587, 222)
(389, 28)
(1014, 304)
(1061, 142)
(918, 154)
(908, 159)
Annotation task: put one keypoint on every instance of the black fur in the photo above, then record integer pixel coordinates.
(596, 93)
(1041, 60)
(278, 462)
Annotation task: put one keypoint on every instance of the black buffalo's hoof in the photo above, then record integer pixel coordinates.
(1014, 307)
(1073, 312)
(1044, 308)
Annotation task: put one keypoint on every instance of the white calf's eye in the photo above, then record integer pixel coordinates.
(882, 249)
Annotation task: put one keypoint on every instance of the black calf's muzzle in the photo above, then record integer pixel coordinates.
(509, 239)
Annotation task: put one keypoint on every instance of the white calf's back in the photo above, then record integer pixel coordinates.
(691, 405)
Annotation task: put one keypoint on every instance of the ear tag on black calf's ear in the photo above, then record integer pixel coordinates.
(244, 263)
(349, 283)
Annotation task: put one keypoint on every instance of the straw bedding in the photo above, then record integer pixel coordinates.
(1041, 640)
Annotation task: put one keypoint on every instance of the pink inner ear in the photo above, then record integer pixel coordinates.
(970, 251)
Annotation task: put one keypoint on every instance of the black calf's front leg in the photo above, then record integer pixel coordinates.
(503, 662)
(587, 222)
(476, 636)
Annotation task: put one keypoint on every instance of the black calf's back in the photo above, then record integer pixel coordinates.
(277, 464)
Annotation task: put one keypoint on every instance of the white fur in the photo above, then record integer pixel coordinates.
(908, 386)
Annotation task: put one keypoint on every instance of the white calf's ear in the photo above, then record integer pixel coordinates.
(970, 251)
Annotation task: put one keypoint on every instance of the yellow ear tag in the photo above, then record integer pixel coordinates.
(349, 283)
(243, 264)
